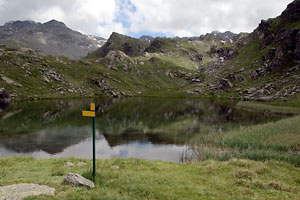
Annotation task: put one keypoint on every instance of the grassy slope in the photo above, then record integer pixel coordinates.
(139, 179)
(151, 81)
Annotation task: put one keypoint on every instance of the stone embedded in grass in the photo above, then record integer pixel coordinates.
(69, 164)
(79, 164)
(78, 180)
(115, 167)
(21, 191)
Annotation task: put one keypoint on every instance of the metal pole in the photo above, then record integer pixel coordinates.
(94, 153)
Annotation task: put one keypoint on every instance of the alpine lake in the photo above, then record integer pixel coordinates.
(145, 128)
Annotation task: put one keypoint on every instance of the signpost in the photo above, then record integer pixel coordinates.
(92, 114)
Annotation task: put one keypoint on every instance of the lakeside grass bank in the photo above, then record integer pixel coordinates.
(271, 141)
(139, 179)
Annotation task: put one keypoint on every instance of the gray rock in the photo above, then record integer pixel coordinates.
(254, 74)
(114, 94)
(78, 180)
(189, 92)
(69, 164)
(261, 91)
(251, 90)
(171, 75)
(4, 95)
(80, 164)
(196, 80)
(266, 99)
(112, 68)
(21, 191)
(269, 86)
(226, 83)
(198, 90)
(125, 69)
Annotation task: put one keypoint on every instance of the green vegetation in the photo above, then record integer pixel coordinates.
(67, 78)
(139, 179)
(283, 110)
(271, 141)
(128, 45)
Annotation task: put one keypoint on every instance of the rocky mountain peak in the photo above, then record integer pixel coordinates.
(225, 37)
(44, 38)
(146, 38)
(20, 24)
(292, 12)
(56, 23)
(118, 42)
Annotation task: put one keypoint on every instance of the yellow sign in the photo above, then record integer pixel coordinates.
(92, 106)
(90, 113)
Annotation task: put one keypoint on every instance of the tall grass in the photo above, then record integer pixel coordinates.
(272, 141)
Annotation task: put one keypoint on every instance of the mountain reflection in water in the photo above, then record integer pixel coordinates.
(148, 128)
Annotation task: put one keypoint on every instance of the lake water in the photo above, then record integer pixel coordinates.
(147, 128)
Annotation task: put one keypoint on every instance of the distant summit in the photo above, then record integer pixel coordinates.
(118, 42)
(50, 38)
(146, 38)
(226, 37)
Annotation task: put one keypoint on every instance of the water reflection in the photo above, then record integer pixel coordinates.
(148, 128)
(4, 105)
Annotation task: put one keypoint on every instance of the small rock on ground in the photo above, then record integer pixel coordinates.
(69, 164)
(79, 164)
(21, 191)
(78, 180)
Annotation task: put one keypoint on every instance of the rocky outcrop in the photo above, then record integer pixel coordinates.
(158, 45)
(4, 96)
(106, 88)
(117, 42)
(292, 12)
(78, 180)
(225, 37)
(117, 57)
(146, 38)
(283, 35)
(223, 52)
(225, 84)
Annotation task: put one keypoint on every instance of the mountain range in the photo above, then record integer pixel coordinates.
(262, 65)
(50, 38)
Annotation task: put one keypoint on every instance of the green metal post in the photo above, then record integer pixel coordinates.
(94, 153)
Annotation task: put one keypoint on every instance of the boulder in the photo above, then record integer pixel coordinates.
(188, 92)
(4, 96)
(254, 74)
(266, 99)
(251, 90)
(78, 180)
(21, 191)
(116, 57)
(226, 83)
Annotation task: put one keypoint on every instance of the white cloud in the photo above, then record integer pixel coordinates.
(195, 17)
(180, 17)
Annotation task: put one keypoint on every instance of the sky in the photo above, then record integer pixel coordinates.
(183, 18)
